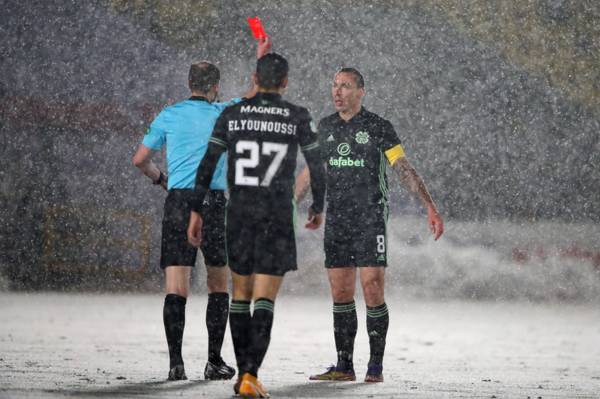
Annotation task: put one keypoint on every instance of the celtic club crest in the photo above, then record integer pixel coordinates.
(362, 137)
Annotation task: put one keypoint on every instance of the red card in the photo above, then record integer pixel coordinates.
(257, 29)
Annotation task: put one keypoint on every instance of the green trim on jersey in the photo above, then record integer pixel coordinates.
(382, 183)
(294, 212)
(217, 141)
(225, 234)
(311, 146)
(384, 192)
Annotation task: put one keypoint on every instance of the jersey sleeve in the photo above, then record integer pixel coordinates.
(156, 135)
(219, 133)
(309, 145)
(217, 145)
(322, 137)
(223, 105)
(204, 175)
(307, 133)
(390, 143)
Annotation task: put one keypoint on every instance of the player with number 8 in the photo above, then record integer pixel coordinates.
(357, 145)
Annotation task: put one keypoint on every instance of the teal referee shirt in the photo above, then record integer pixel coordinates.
(185, 128)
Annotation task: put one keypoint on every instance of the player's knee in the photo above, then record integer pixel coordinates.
(217, 279)
(216, 285)
(373, 291)
(174, 286)
(342, 293)
(241, 293)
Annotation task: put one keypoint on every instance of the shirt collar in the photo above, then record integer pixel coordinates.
(199, 98)
(269, 96)
(356, 118)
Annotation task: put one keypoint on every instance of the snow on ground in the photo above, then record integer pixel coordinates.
(112, 346)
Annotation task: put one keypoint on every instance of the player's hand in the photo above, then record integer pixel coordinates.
(162, 180)
(194, 231)
(314, 220)
(165, 183)
(436, 224)
(263, 47)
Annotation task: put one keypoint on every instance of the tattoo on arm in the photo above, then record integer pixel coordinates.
(411, 180)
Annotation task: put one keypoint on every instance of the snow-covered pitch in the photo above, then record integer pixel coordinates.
(113, 346)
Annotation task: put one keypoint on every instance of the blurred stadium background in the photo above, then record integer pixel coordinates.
(497, 103)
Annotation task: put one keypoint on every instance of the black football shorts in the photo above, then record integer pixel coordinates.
(356, 239)
(261, 240)
(175, 249)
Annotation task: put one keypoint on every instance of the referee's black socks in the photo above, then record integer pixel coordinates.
(240, 324)
(217, 312)
(377, 326)
(174, 321)
(262, 322)
(345, 325)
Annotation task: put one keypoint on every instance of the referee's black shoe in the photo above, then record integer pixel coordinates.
(218, 371)
(177, 373)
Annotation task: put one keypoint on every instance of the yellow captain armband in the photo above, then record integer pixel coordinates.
(394, 153)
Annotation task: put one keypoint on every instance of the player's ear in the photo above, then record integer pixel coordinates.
(254, 79)
(284, 83)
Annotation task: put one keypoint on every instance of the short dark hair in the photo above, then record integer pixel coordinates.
(358, 78)
(203, 76)
(271, 71)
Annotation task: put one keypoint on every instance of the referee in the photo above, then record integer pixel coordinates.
(356, 146)
(262, 136)
(185, 128)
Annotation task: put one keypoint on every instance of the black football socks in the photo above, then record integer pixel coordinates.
(240, 324)
(345, 325)
(217, 312)
(262, 322)
(174, 321)
(377, 326)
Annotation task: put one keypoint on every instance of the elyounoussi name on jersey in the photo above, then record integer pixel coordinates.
(262, 136)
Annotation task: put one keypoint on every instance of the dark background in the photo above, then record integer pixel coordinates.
(497, 105)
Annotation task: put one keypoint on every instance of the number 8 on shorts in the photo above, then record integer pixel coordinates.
(381, 244)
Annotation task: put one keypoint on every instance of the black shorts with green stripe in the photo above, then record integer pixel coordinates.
(353, 239)
(261, 239)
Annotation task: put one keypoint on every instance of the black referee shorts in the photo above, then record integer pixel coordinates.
(261, 243)
(358, 240)
(175, 249)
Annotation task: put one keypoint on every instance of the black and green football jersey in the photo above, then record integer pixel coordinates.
(355, 154)
(262, 136)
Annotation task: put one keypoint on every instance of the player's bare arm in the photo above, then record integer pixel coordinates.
(413, 182)
(142, 159)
